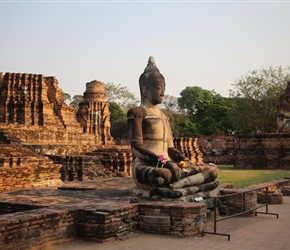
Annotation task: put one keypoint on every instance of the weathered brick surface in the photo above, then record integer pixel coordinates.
(21, 168)
(263, 151)
(40, 229)
(271, 198)
(243, 202)
(240, 202)
(186, 219)
(286, 190)
(219, 149)
(105, 224)
(259, 151)
(189, 147)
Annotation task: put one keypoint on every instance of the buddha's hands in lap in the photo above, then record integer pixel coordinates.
(177, 172)
(161, 177)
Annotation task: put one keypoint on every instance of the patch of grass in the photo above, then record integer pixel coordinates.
(242, 178)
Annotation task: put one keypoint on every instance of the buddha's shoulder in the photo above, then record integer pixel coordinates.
(137, 112)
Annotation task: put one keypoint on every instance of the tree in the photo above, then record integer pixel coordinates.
(206, 109)
(116, 112)
(169, 103)
(66, 97)
(120, 95)
(120, 129)
(256, 96)
(76, 100)
(121, 100)
(195, 100)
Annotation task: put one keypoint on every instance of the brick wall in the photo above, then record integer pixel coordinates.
(263, 151)
(106, 224)
(44, 228)
(186, 219)
(21, 168)
(15, 178)
(36, 229)
(220, 149)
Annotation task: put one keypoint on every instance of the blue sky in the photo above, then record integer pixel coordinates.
(195, 43)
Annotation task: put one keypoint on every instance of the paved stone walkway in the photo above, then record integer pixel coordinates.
(263, 232)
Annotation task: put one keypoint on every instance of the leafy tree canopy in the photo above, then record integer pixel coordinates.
(256, 96)
(116, 111)
(120, 95)
(195, 100)
(76, 100)
(169, 103)
(66, 97)
(263, 83)
(120, 129)
(206, 110)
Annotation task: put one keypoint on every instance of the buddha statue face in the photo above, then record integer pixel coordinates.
(154, 93)
(152, 84)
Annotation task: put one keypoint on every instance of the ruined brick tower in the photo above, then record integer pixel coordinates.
(35, 102)
(93, 113)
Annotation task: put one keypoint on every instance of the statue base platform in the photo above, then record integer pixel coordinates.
(201, 193)
(100, 210)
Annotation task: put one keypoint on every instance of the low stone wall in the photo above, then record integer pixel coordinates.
(182, 220)
(235, 204)
(44, 228)
(37, 229)
(270, 197)
(255, 151)
(107, 224)
(101, 163)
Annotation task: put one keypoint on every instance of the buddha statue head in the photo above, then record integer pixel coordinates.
(150, 79)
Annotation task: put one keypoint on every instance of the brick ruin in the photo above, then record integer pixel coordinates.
(263, 151)
(33, 114)
(44, 143)
(76, 144)
(219, 149)
(254, 151)
(35, 102)
(36, 125)
(268, 151)
(283, 112)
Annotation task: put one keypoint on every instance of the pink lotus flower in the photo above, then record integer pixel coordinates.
(162, 159)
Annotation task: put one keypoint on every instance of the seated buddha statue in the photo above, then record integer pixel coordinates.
(158, 167)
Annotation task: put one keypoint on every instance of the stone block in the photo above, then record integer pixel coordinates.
(155, 224)
(273, 197)
(285, 191)
(155, 219)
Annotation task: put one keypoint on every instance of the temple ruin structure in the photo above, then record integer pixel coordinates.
(74, 145)
(36, 125)
(44, 142)
(283, 112)
(30, 101)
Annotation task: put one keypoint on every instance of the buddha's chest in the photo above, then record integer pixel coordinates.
(155, 127)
